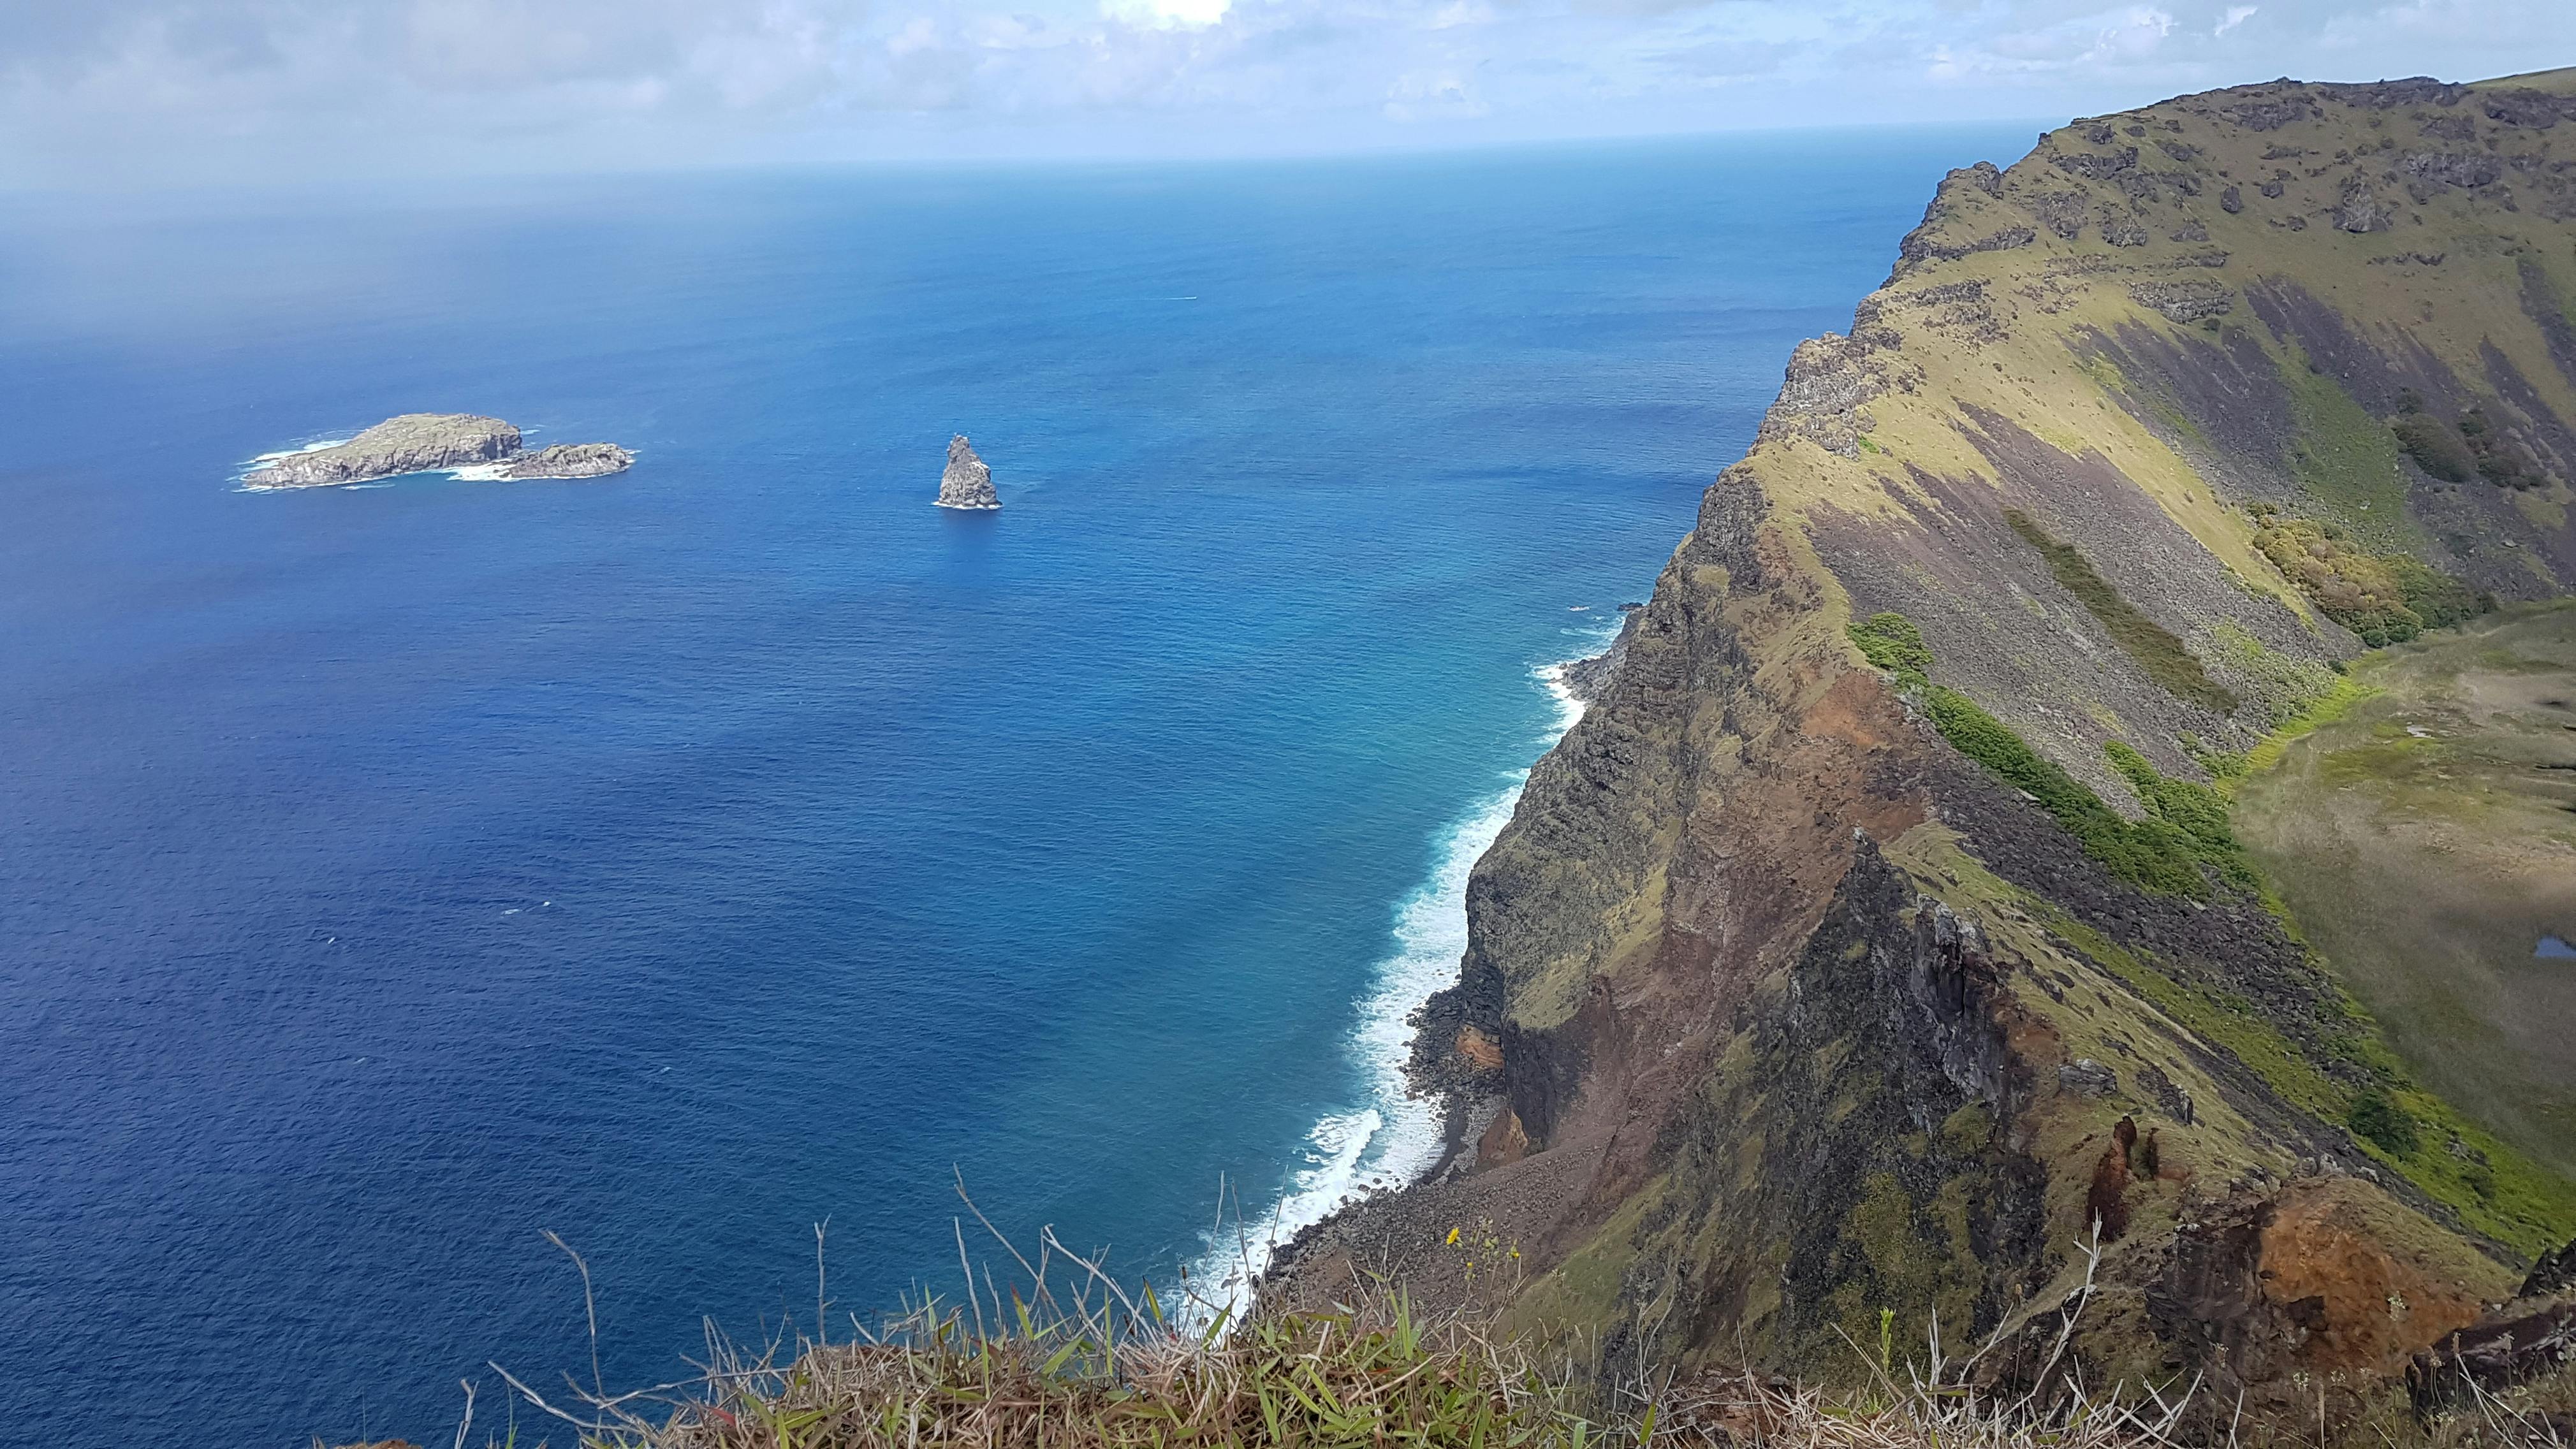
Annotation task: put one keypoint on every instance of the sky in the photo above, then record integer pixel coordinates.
(156, 92)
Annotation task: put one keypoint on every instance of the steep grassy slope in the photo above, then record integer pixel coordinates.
(1878, 933)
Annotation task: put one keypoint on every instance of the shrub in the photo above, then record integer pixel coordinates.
(2377, 1119)
(2198, 812)
(2153, 853)
(2435, 447)
(2384, 598)
(1891, 642)
(2499, 459)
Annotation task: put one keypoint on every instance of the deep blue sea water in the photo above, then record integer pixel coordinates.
(675, 861)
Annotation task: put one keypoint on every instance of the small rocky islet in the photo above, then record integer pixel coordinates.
(437, 442)
(966, 483)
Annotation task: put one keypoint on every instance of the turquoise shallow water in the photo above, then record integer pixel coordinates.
(679, 860)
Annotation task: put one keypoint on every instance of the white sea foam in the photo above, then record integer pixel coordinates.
(1395, 1137)
(240, 477)
(295, 451)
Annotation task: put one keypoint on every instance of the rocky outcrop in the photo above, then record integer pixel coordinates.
(433, 443)
(412, 443)
(1586, 678)
(966, 483)
(569, 460)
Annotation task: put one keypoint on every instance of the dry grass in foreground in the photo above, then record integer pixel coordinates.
(1080, 1363)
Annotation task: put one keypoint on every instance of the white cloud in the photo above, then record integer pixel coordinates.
(1167, 14)
(148, 90)
(1434, 95)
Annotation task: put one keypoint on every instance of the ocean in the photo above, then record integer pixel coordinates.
(678, 861)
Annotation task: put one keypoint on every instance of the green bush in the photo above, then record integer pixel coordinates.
(2500, 460)
(2433, 596)
(2153, 853)
(2385, 598)
(2436, 449)
(1890, 641)
(2195, 810)
(2377, 1119)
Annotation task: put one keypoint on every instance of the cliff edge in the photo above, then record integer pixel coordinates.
(1880, 942)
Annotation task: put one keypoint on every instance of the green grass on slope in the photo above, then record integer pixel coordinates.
(1892, 642)
(2156, 651)
(2163, 853)
(2345, 458)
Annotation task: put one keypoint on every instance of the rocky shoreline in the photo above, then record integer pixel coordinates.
(1453, 1061)
(462, 443)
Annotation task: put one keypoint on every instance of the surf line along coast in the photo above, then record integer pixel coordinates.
(1421, 1120)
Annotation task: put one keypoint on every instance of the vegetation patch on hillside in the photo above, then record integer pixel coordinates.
(1892, 642)
(2186, 825)
(2474, 447)
(2161, 853)
(2284, 687)
(2196, 810)
(2436, 447)
(2154, 648)
(2344, 457)
(2386, 598)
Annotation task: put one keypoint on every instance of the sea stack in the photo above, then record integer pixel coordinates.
(967, 483)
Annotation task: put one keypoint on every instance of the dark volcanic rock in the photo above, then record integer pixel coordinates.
(1586, 678)
(2184, 301)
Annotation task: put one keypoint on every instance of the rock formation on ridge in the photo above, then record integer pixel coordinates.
(1879, 934)
(966, 483)
(436, 442)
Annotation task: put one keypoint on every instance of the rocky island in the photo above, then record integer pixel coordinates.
(437, 442)
(967, 483)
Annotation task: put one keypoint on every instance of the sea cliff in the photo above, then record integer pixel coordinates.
(1879, 943)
